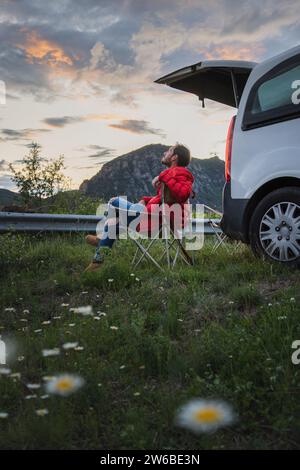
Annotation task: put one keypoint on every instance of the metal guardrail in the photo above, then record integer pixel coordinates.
(26, 222)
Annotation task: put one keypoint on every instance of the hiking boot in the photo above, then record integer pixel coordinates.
(92, 240)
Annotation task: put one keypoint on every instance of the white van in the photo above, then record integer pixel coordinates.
(261, 197)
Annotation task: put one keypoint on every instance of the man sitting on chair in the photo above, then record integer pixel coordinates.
(178, 181)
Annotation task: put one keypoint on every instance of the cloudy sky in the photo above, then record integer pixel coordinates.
(79, 75)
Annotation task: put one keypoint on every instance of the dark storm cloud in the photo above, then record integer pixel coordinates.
(103, 155)
(20, 134)
(136, 127)
(97, 147)
(100, 155)
(72, 28)
(63, 121)
(40, 41)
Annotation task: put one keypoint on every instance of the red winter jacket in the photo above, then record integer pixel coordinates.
(179, 181)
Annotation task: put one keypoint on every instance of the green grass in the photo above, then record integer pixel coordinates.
(222, 329)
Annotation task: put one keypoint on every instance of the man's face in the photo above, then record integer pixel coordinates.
(168, 156)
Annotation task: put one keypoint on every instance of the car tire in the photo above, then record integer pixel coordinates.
(274, 230)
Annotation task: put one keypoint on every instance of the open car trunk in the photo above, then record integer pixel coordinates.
(218, 80)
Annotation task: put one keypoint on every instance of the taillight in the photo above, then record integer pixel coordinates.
(229, 149)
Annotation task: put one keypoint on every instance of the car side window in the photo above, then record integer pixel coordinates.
(274, 97)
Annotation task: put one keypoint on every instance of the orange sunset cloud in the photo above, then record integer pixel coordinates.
(40, 49)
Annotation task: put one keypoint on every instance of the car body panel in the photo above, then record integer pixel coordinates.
(212, 79)
(260, 154)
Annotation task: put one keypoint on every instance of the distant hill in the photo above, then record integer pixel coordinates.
(131, 175)
(8, 198)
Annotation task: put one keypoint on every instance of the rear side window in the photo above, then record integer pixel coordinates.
(275, 97)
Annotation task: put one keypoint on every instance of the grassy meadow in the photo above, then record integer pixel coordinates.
(222, 329)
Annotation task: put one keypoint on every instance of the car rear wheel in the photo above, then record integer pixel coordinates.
(275, 227)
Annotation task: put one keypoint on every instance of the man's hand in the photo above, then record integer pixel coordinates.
(142, 202)
(155, 182)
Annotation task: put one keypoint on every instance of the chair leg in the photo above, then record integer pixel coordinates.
(182, 251)
(135, 255)
(165, 233)
(148, 247)
(187, 257)
(145, 253)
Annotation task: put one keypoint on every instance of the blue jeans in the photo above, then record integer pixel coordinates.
(116, 203)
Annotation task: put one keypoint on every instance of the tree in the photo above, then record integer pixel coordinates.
(39, 178)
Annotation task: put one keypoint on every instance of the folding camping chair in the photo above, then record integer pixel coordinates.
(221, 238)
(170, 239)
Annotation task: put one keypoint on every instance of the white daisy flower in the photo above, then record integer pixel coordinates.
(21, 358)
(38, 331)
(70, 345)
(85, 292)
(136, 394)
(97, 318)
(110, 280)
(3, 415)
(292, 299)
(122, 367)
(64, 384)
(46, 378)
(9, 309)
(44, 397)
(72, 324)
(29, 397)
(84, 310)
(57, 318)
(79, 348)
(15, 375)
(64, 305)
(46, 322)
(5, 371)
(114, 327)
(51, 352)
(33, 386)
(204, 415)
(26, 310)
(42, 412)
(102, 314)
